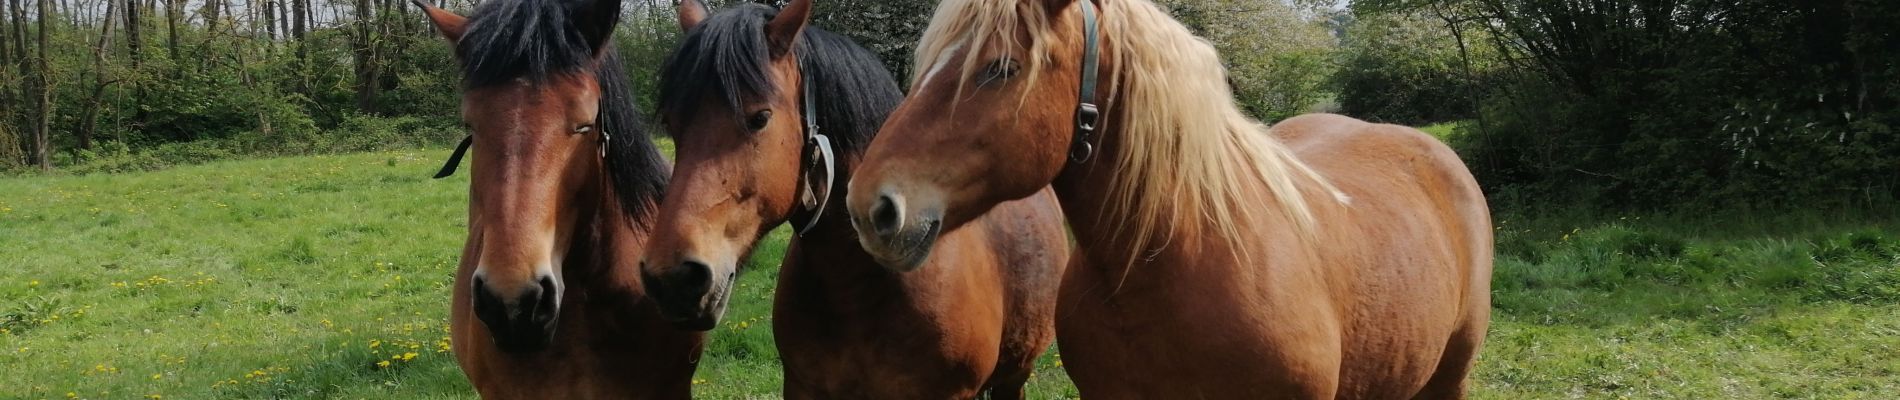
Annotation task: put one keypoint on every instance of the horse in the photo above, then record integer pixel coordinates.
(564, 183)
(756, 100)
(1322, 257)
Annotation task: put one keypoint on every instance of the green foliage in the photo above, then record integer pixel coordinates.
(1277, 59)
(889, 28)
(1404, 68)
(1713, 105)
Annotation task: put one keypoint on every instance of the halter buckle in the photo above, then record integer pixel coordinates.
(1087, 115)
(605, 142)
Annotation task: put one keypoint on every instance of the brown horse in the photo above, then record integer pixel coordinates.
(547, 304)
(755, 100)
(1322, 258)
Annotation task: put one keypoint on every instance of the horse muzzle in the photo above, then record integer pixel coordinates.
(689, 295)
(519, 321)
(898, 238)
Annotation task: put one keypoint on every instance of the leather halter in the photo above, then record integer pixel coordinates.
(1087, 114)
(455, 160)
(816, 153)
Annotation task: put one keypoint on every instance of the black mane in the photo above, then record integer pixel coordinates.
(540, 39)
(728, 55)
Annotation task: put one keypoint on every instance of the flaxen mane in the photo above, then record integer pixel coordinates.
(1185, 156)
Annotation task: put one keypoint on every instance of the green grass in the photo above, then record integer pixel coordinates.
(297, 277)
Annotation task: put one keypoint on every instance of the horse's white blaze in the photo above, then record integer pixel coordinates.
(943, 60)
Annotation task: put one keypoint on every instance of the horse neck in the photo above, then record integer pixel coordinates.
(1086, 192)
(831, 249)
(599, 241)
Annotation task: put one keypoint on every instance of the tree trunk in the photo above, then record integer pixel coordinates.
(300, 15)
(8, 142)
(270, 22)
(135, 47)
(212, 18)
(43, 124)
(20, 56)
(364, 51)
(134, 43)
(6, 43)
(89, 124)
(172, 14)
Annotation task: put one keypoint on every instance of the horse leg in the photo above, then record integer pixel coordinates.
(1448, 381)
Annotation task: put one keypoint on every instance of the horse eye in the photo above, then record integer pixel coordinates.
(584, 129)
(758, 120)
(1001, 69)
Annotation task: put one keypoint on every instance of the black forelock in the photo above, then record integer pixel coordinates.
(728, 55)
(539, 39)
(531, 39)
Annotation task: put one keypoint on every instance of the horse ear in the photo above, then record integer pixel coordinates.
(783, 31)
(596, 20)
(692, 13)
(450, 25)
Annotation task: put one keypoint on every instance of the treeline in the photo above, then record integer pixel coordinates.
(1607, 102)
(92, 79)
(1646, 103)
(118, 85)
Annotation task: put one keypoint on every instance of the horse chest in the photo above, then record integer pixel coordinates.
(878, 345)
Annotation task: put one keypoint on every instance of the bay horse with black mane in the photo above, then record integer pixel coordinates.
(757, 101)
(547, 304)
(1322, 258)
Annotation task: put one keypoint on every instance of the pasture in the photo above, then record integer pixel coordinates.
(327, 277)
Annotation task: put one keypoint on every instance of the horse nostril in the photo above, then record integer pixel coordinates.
(545, 299)
(694, 277)
(886, 216)
(488, 307)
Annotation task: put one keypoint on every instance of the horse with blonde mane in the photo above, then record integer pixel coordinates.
(547, 303)
(1324, 257)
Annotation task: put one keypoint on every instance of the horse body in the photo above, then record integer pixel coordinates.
(974, 317)
(1365, 315)
(740, 95)
(1323, 258)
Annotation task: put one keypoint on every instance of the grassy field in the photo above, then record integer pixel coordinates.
(327, 277)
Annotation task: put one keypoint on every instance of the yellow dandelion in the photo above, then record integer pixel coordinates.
(382, 364)
(33, 283)
(157, 376)
(375, 343)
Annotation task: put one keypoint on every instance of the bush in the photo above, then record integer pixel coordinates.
(1403, 68)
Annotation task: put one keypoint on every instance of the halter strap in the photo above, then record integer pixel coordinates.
(817, 153)
(455, 159)
(1087, 114)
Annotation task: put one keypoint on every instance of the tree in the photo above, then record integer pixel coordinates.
(42, 72)
(101, 80)
(1277, 60)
